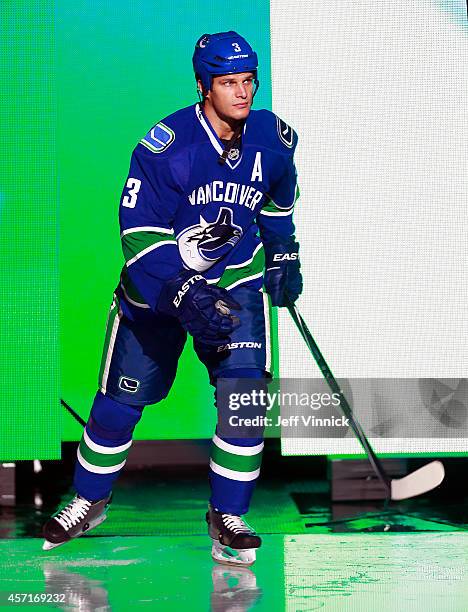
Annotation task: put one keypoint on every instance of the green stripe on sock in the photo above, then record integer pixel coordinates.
(239, 463)
(101, 459)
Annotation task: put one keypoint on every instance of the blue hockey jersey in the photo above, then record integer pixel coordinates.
(181, 208)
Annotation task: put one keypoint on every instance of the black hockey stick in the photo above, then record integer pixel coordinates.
(72, 412)
(420, 481)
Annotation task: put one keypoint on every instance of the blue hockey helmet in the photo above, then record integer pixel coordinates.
(223, 53)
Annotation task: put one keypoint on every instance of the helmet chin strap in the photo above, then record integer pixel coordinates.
(257, 85)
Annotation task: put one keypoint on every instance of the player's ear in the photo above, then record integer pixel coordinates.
(200, 90)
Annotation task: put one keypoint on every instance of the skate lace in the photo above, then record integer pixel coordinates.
(72, 513)
(236, 524)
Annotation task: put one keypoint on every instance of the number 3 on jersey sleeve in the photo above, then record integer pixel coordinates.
(133, 185)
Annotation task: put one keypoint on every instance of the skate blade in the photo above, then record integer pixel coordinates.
(49, 545)
(97, 521)
(231, 556)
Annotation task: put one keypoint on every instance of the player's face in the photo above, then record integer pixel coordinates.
(231, 95)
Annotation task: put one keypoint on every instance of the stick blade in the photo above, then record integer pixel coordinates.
(418, 482)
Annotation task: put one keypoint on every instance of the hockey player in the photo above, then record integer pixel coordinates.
(207, 235)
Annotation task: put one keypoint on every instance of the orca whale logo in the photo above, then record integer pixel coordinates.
(204, 244)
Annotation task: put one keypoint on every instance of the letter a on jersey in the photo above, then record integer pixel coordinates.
(257, 168)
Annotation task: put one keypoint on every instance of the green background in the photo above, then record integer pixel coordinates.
(30, 413)
(121, 68)
(80, 84)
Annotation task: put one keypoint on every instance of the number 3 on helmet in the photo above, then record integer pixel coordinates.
(223, 53)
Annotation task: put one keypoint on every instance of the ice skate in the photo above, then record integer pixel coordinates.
(234, 541)
(76, 518)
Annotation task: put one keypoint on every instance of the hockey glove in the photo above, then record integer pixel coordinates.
(282, 275)
(203, 310)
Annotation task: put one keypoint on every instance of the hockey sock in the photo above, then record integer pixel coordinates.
(104, 446)
(235, 463)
